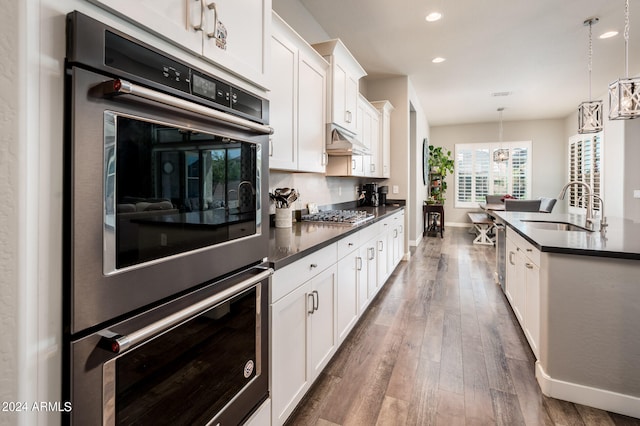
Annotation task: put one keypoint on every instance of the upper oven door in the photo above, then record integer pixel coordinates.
(161, 197)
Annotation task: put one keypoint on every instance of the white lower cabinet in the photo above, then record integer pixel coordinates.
(522, 286)
(303, 339)
(316, 301)
(349, 269)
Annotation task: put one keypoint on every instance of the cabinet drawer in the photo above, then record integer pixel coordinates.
(527, 249)
(348, 244)
(290, 277)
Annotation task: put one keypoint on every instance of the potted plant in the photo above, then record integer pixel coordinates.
(441, 164)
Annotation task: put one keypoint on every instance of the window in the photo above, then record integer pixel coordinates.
(492, 168)
(585, 165)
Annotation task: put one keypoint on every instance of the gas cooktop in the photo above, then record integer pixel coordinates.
(339, 217)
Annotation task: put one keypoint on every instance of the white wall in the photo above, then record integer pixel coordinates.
(549, 154)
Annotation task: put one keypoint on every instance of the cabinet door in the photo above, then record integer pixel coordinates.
(243, 48)
(290, 375)
(385, 150)
(375, 170)
(515, 285)
(372, 269)
(339, 98)
(283, 149)
(169, 19)
(323, 334)
(362, 274)
(532, 305)
(347, 302)
(383, 254)
(351, 101)
(312, 115)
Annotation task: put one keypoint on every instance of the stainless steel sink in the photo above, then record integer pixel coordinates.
(555, 226)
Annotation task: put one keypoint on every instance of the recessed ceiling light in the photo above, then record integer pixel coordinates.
(433, 16)
(438, 60)
(609, 34)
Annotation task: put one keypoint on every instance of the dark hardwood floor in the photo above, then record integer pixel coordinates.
(439, 345)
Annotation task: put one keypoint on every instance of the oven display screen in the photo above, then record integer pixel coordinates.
(203, 87)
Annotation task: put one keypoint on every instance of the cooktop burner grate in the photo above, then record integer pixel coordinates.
(339, 217)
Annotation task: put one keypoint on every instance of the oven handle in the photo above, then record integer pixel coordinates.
(124, 87)
(119, 344)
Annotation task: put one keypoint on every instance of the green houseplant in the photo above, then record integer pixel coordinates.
(441, 164)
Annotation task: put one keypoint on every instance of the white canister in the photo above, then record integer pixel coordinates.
(283, 217)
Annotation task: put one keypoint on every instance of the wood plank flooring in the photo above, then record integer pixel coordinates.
(439, 345)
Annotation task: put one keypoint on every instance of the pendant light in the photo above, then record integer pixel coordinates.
(590, 113)
(500, 154)
(624, 93)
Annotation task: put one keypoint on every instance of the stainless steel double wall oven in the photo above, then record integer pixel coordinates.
(166, 237)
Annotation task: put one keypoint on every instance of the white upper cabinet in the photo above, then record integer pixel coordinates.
(383, 161)
(344, 77)
(234, 34)
(298, 81)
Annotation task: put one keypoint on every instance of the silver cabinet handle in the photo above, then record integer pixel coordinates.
(313, 265)
(316, 300)
(529, 250)
(200, 26)
(212, 7)
(348, 116)
(123, 87)
(372, 253)
(358, 263)
(350, 244)
(510, 258)
(380, 245)
(270, 147)
(123, 343)
(529, 265)
(353, 164)
(395, 233)
(325, 158)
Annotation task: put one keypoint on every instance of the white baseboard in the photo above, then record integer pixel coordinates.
(585, 395)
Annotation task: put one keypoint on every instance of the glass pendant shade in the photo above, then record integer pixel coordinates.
(590, 117)
(624, 93)
(624, 99)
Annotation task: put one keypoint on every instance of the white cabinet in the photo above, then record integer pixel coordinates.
(298, 81)
(383, 163)
(303, 339)
(397, 232)
(522, 286)
(316, 301)
(368, 123)
(346, 165)
(234, 34)
(349, 270)
(344, 76)
(262, 416)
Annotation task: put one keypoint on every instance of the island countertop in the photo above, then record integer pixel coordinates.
(621, 239)
(287, 245)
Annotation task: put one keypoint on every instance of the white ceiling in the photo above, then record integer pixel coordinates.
(535, 49)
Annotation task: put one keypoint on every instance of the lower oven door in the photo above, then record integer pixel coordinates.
(202, 359)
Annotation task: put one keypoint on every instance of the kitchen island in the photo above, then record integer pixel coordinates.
(576, 294)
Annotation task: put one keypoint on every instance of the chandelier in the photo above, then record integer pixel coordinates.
(590, 113)
(624, 93)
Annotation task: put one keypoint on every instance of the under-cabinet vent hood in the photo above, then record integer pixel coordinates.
(342, 144)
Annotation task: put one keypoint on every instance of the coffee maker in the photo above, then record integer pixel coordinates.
(382, 195)
(370, 192)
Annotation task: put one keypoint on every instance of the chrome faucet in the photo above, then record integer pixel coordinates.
(603, 218)
(589, 196)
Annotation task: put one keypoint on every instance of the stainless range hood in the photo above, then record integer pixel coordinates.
(340, 143)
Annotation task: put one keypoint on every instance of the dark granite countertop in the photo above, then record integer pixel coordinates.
(286, 245)
(621, 240)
